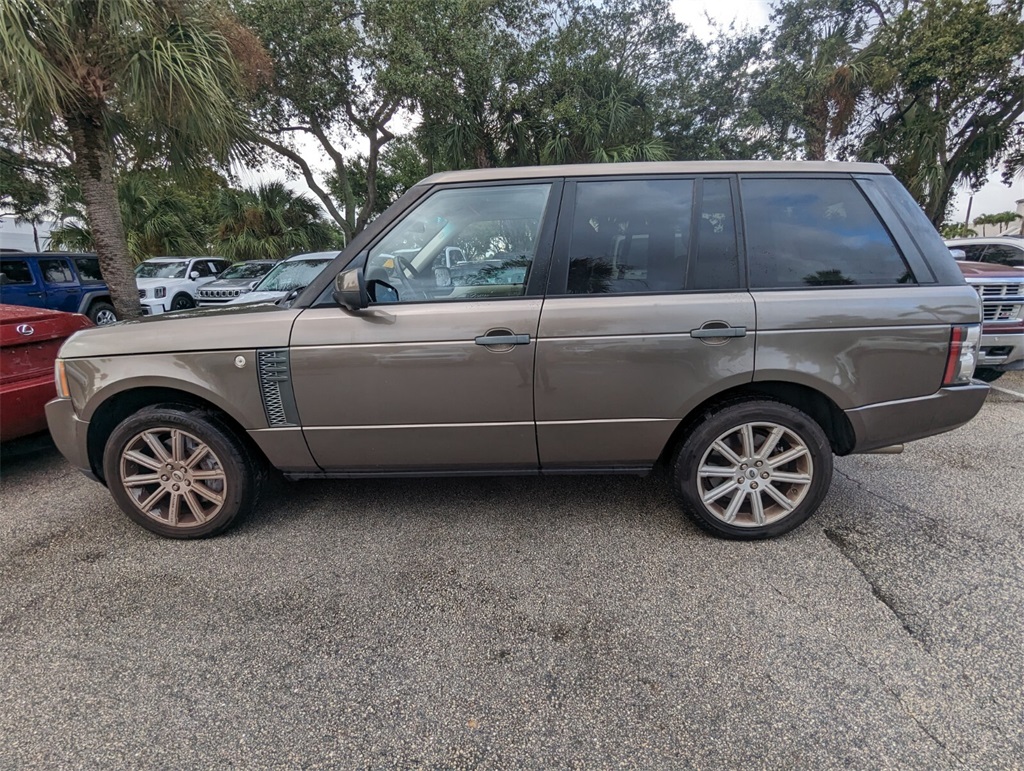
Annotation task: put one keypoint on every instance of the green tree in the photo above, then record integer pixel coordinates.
(269, 222)
(956, 230)
(159, 216)
(949, 98)
(162, 76)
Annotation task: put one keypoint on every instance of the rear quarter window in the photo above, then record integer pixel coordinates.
(89, 270)
(816, 232)
(14, 272)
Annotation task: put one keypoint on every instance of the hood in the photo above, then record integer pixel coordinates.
(199, 329)
(989, 270)
(255, 297)
(148, 282)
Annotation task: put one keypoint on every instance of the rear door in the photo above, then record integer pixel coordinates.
(646, 316)
(63, 292)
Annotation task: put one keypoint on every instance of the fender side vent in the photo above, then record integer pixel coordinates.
(276, 387)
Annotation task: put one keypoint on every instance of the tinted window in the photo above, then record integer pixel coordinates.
(465, 243)
(973, 253)
(1004, 255)
(88, 269)
(15, 272)
(202, 267)
(630, 236)
(56, 272)
(816, 232)
(717, 265)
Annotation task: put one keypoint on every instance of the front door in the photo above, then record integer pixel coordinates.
(441, 376)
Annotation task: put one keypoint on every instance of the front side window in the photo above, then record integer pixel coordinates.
(816, 232)
(973, 253)
(15, 272)
(463, 243)
(56, 272)
(89, 270)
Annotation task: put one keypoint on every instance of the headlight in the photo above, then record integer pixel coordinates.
(60, 378)
(160, 291)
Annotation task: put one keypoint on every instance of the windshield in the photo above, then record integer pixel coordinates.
(246, 270)
(291, 275)
(161, 270)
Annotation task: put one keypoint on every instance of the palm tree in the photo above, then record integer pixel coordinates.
(158, 220)
(269, 222)
(102, 76)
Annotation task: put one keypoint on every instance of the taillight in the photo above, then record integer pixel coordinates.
(963, 354)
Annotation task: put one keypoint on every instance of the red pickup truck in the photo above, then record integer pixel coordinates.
(1001, 289)
(29, 341)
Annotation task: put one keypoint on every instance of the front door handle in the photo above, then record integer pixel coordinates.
(503, 340)
(705, 333)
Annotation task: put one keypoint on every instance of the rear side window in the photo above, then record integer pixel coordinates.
(15, 272)
(631, 236)
(56, 272)
(89, 270)
(816, 232)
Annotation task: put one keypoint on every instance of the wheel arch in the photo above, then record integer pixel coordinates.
(116, 406)
(89, 298)
(823, 410)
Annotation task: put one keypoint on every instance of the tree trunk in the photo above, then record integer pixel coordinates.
(94, 171)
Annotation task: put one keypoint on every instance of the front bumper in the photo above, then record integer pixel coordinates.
(153, 307)
(880, 425)
(1002, 350)
(70, 434)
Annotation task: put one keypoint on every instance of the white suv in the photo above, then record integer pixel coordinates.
(170, 283)
(998, 250)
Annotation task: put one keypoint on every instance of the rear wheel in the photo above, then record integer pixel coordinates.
(752, 469)
(179, 472)
(102, 313)
(988, 374)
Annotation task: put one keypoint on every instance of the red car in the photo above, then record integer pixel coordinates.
(29, 341)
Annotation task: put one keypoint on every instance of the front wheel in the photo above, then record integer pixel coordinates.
(179, 472)
(182, 302)
(752, 469)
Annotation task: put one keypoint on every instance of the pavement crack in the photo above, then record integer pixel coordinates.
(879, 593)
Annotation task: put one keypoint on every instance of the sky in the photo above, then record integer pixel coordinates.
(992, 198)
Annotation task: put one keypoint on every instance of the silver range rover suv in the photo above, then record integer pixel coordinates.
(739, 322)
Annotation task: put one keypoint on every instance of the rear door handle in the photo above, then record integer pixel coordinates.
(503, 340)
(701, 334)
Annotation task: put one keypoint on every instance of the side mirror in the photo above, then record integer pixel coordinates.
(958, 254)
(350, 290)
(194, 275)
(252, 285)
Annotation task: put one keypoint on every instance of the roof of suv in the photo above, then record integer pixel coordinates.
(1008, 239)
(660, 167)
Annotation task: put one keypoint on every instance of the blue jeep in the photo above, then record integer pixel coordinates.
(57, 280)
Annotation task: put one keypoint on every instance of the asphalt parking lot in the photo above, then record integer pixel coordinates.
(558, 622)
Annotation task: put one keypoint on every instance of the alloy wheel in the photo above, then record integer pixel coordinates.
(754, 474)
(173, 477)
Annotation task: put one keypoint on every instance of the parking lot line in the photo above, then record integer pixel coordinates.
(1008, 391)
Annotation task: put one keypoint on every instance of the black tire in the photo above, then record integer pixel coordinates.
(724, 424)
(988, 374)
(101, 313)
(182, 302)
(230, 470)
